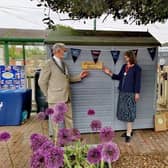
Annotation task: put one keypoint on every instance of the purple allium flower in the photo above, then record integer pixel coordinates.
(41, 116)
(64, 136)
(106, 134)
(61, 107)
(94, 155)
(96, 125)
(75, 133)
(100, 147)
(47, 146)
(37, 141)
(91, 112)
(54, 158)
(57, 117)
(49, 111)
(110, 152)
(38, 159)
(4, 136)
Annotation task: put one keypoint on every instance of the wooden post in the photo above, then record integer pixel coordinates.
(6, 50)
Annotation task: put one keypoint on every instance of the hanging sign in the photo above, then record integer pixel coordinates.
(115, 54)
(75, 54)
(95, 55)
(89, 65)
(152, 52)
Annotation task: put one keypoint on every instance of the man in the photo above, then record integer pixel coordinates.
(55, 81)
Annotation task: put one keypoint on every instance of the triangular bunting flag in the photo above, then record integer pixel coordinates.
(75, 53)
(152, 52)
(115, 54)
(135, 52)
(95, 55)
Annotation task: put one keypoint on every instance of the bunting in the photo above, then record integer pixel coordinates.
(95, 55)
(152, 52)
(115, 54)
(75, 54)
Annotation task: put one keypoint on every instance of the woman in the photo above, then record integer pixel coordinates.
(129, 91)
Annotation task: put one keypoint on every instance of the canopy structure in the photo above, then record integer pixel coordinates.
(20, 37)
(89, 37)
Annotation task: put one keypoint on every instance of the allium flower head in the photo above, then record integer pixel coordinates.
(4, 136)
(37, 141)
(75, 134)
(61, 107)
(38, 159)
(57, 117)
(96, 125)
(91, 112)
(54, 158)
(41, 116)
(64, 136)
(106, 134)
(110, 152)
(49, 111)
(94, 155)
(47, 146)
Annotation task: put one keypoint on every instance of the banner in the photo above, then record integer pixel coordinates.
(75, 54)
(95, 55)
(115, 54)
(12, 77)
(152, 52)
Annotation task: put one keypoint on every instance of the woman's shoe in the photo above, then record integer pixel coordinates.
(127, 139)
(124, 134)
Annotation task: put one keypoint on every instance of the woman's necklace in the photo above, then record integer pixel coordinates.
(127, 67)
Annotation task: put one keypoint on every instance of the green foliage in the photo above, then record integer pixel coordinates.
(138, 11)
(75, 156)
(35, 52)
(16, 52)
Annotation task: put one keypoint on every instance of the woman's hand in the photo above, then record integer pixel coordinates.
(137, 97)
(107, 71)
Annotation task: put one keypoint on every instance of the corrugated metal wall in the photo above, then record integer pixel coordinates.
(99, 92)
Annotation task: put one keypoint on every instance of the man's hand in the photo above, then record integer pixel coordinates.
(84, 74)
(137, 97)
(107, 71)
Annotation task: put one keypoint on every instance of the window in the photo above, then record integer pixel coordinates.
(2, 59)
(35, 58)
(15, 55)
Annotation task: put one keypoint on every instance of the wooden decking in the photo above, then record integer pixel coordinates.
(144, 143)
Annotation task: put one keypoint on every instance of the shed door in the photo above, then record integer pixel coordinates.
(100, 93)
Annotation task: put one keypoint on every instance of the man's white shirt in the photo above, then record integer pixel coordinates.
(59, 62)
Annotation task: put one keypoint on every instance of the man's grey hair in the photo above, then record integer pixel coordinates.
(58, 46)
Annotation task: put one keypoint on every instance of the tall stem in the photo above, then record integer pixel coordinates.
(10, 157)
(110, 165)
(56, 134)
(42, 129)
(102, 164)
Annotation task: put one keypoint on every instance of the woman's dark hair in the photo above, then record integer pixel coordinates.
(131, 56)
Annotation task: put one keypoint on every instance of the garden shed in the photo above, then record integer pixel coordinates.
(98, 91)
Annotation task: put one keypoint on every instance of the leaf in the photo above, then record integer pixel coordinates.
(39, 5)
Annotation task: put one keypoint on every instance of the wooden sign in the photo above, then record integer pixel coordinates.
(91, 65)
(160, 122)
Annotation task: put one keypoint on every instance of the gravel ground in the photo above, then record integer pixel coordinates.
(153, 160)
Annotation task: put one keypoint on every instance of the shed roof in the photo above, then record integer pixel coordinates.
(71, 36)
(22, 35)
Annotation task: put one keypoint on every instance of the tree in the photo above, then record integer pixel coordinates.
(138, 11)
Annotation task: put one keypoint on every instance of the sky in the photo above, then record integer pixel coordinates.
(24, 14)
